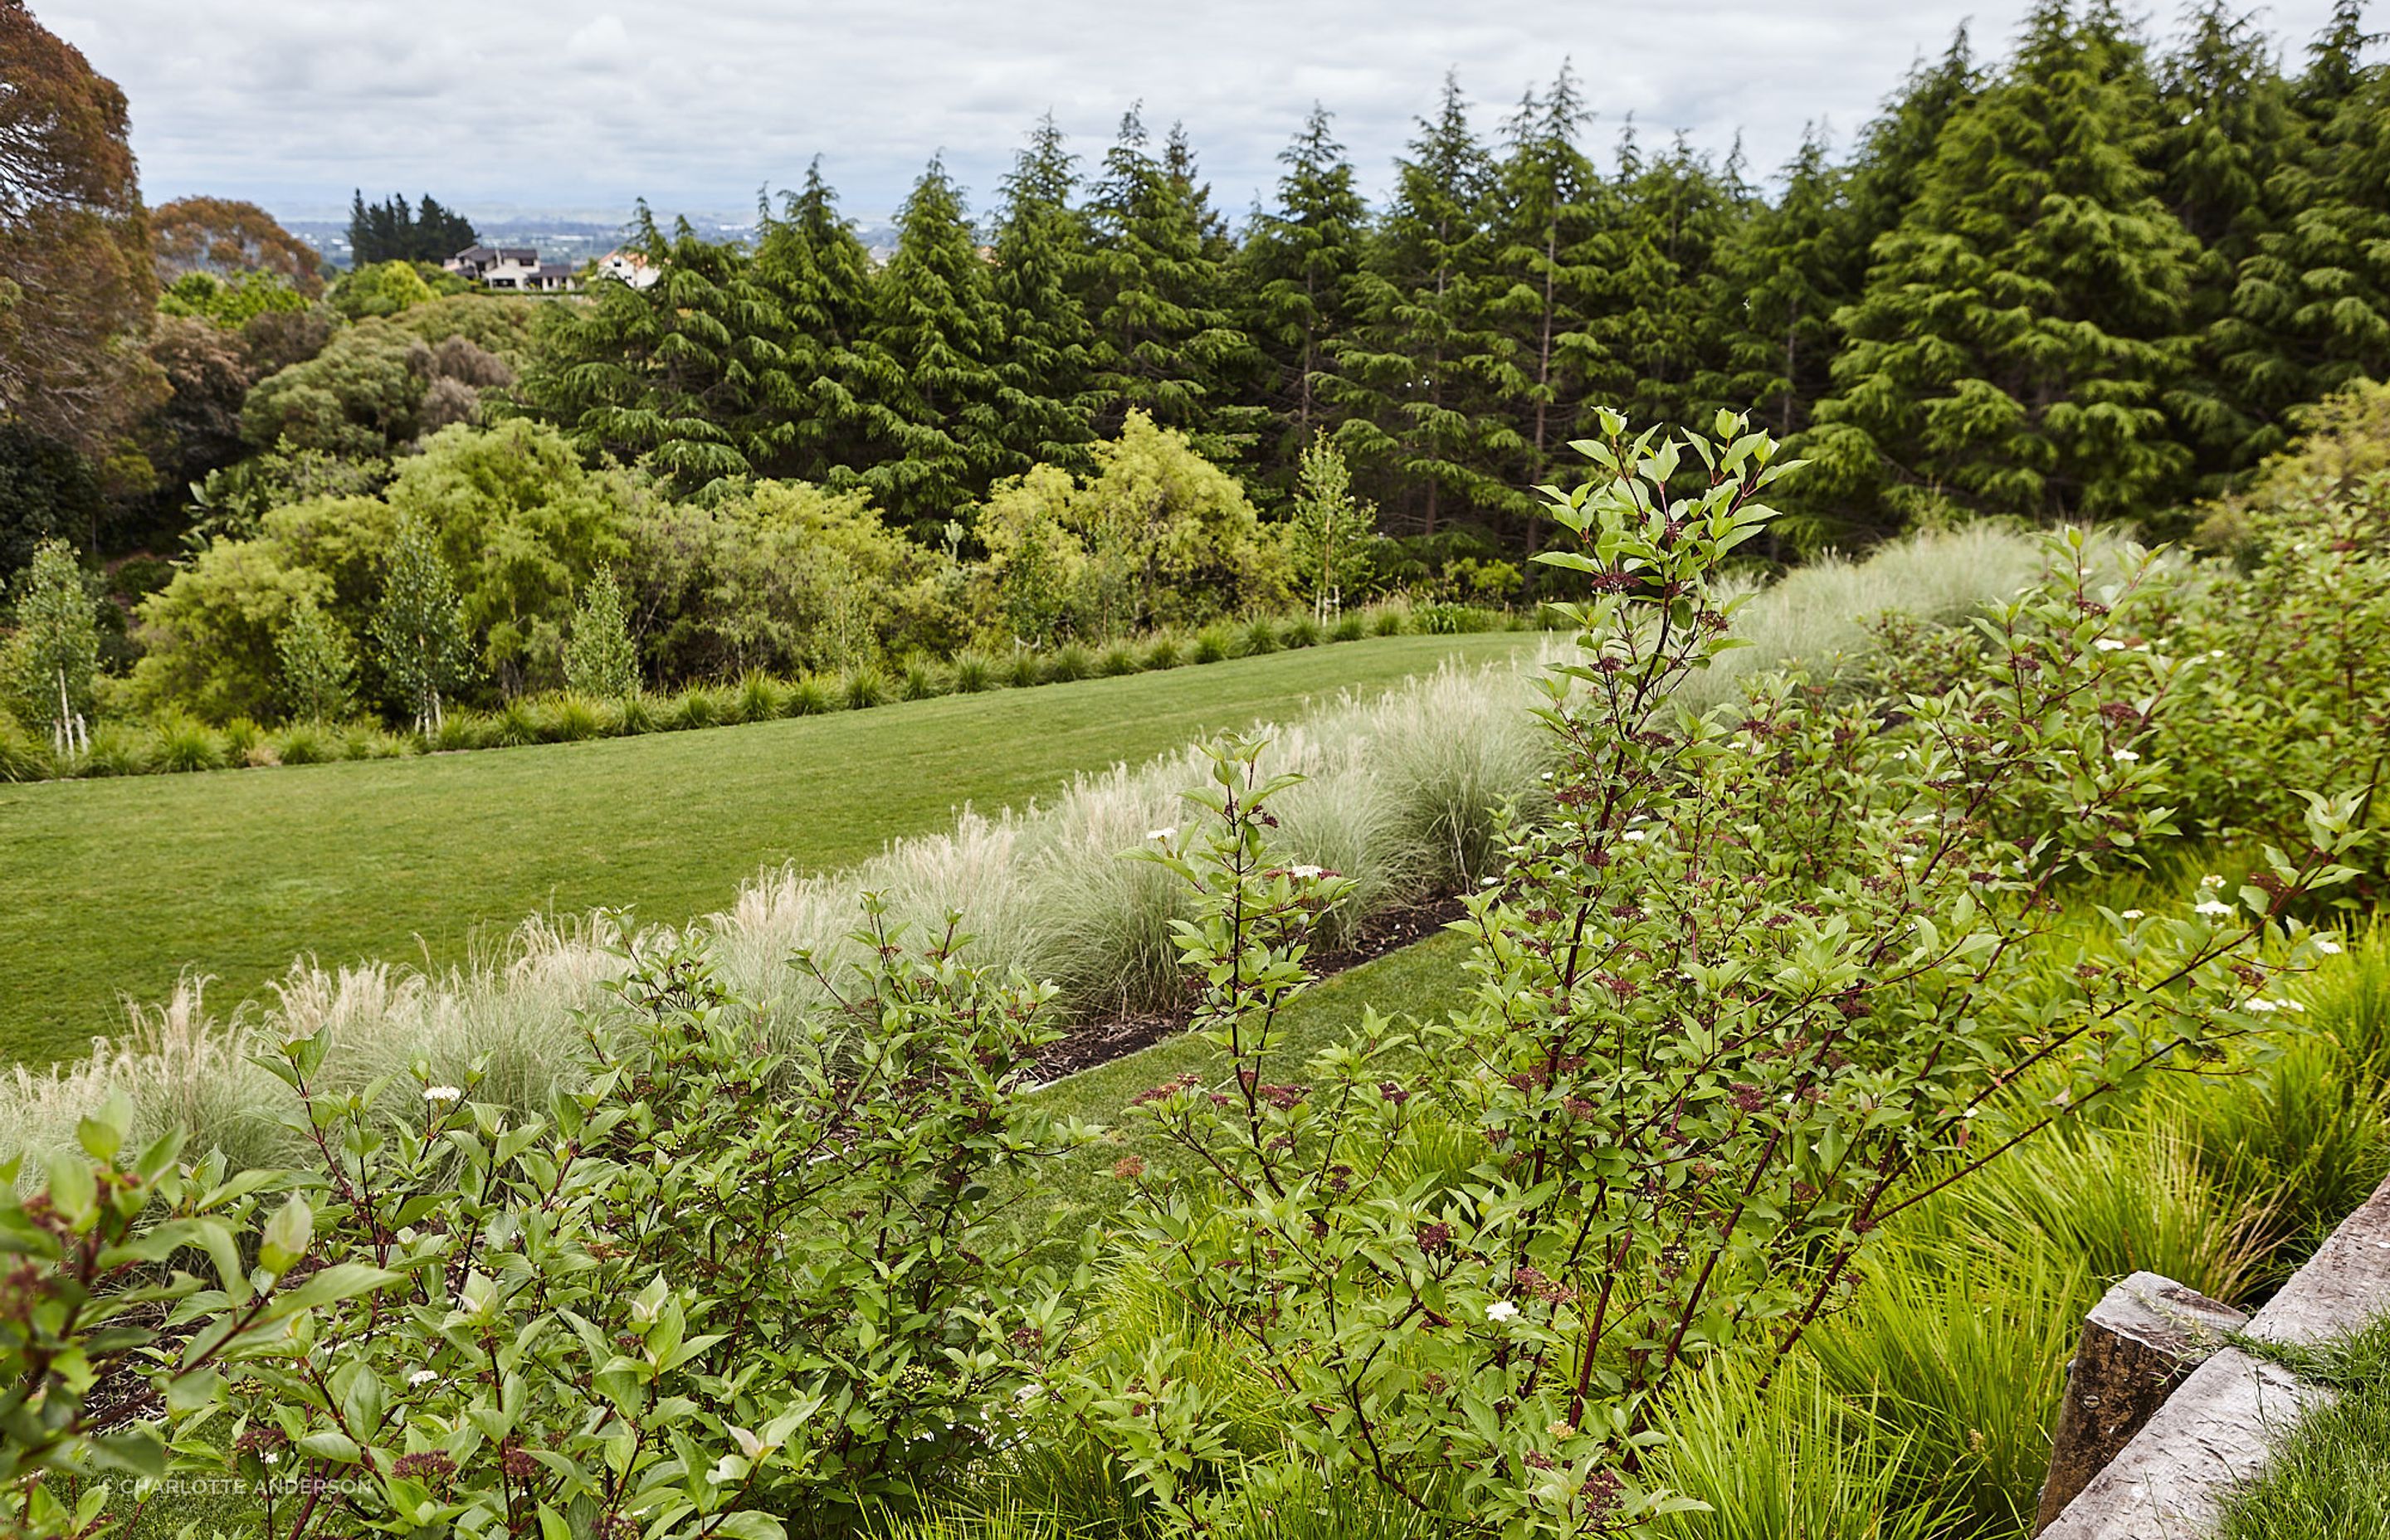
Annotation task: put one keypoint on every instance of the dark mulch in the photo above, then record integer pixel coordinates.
(1100, 1042)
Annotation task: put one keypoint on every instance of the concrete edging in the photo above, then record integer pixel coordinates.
(2218, 1428)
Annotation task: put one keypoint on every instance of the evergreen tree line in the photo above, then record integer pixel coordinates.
(2095, 280)
(391, 230)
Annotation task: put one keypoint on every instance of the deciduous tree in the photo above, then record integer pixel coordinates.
(1329, 525)
(53, 658)
(224, 237)
(318, 664)
(600, 659)
(419, 636)
(76, 277)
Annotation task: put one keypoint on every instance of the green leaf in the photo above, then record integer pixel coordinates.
(341, 1281)
(287, 1235)
(74, 1186)
(330, 1445)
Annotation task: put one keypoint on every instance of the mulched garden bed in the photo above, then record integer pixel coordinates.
(1100, 1042)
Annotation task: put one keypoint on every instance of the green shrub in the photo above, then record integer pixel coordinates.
(864, 687)
(305, 743)
(1350, 627)
(601, 1212)
(517, 723)
(1722, 1038)
(1212, 644)
(757, 699)
(639, 714)
(1117, 659)
(571, 718)
(918, 682)
(1164, 650)
(698, 706)
(1067, 662)
(1022, 669)
(242, 738)
(1389, 620)
(812, 696)
(1260, 636)
(1302, 631)
(23, 756)
(1451, 619)
(973, 672)
(366, 741)
(180, 744)
(117, 749)
(458, 731)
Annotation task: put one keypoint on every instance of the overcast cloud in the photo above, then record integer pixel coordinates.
(694, 104)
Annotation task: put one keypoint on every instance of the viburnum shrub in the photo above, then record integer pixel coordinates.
(738, 1279)
(1770, 976)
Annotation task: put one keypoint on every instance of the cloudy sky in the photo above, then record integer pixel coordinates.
(585, 105)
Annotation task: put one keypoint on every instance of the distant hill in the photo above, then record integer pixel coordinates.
(569, 237)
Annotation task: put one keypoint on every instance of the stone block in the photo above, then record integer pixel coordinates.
(2144, 1337)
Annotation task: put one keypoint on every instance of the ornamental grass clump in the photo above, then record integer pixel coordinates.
(1768, 977)
(756, 698)
(973, 672)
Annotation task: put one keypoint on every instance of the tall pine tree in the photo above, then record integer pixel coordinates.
(816, 278)
(936, 344)
(2226, 130)
(1895, 152)
(1041, 257)
(1661, 335)
(2018, 329)
(1420, 384)
(2311, 311)
(1551, 204)
(1779, 280)
(1167, 339)
(689, 375)
(1298, 264)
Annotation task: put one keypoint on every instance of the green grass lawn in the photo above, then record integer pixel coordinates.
(1419, 982)
(108, 889)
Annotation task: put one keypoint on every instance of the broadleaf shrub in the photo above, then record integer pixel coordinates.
(1771, 975)
(740, 1277)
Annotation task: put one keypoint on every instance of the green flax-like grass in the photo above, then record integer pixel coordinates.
(111, 888)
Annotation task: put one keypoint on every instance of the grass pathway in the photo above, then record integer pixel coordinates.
(111, 888)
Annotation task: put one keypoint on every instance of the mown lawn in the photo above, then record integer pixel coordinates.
(1421, 983)
(108, 889)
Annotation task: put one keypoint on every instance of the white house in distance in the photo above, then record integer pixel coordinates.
(514, 268)
(630, 267)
